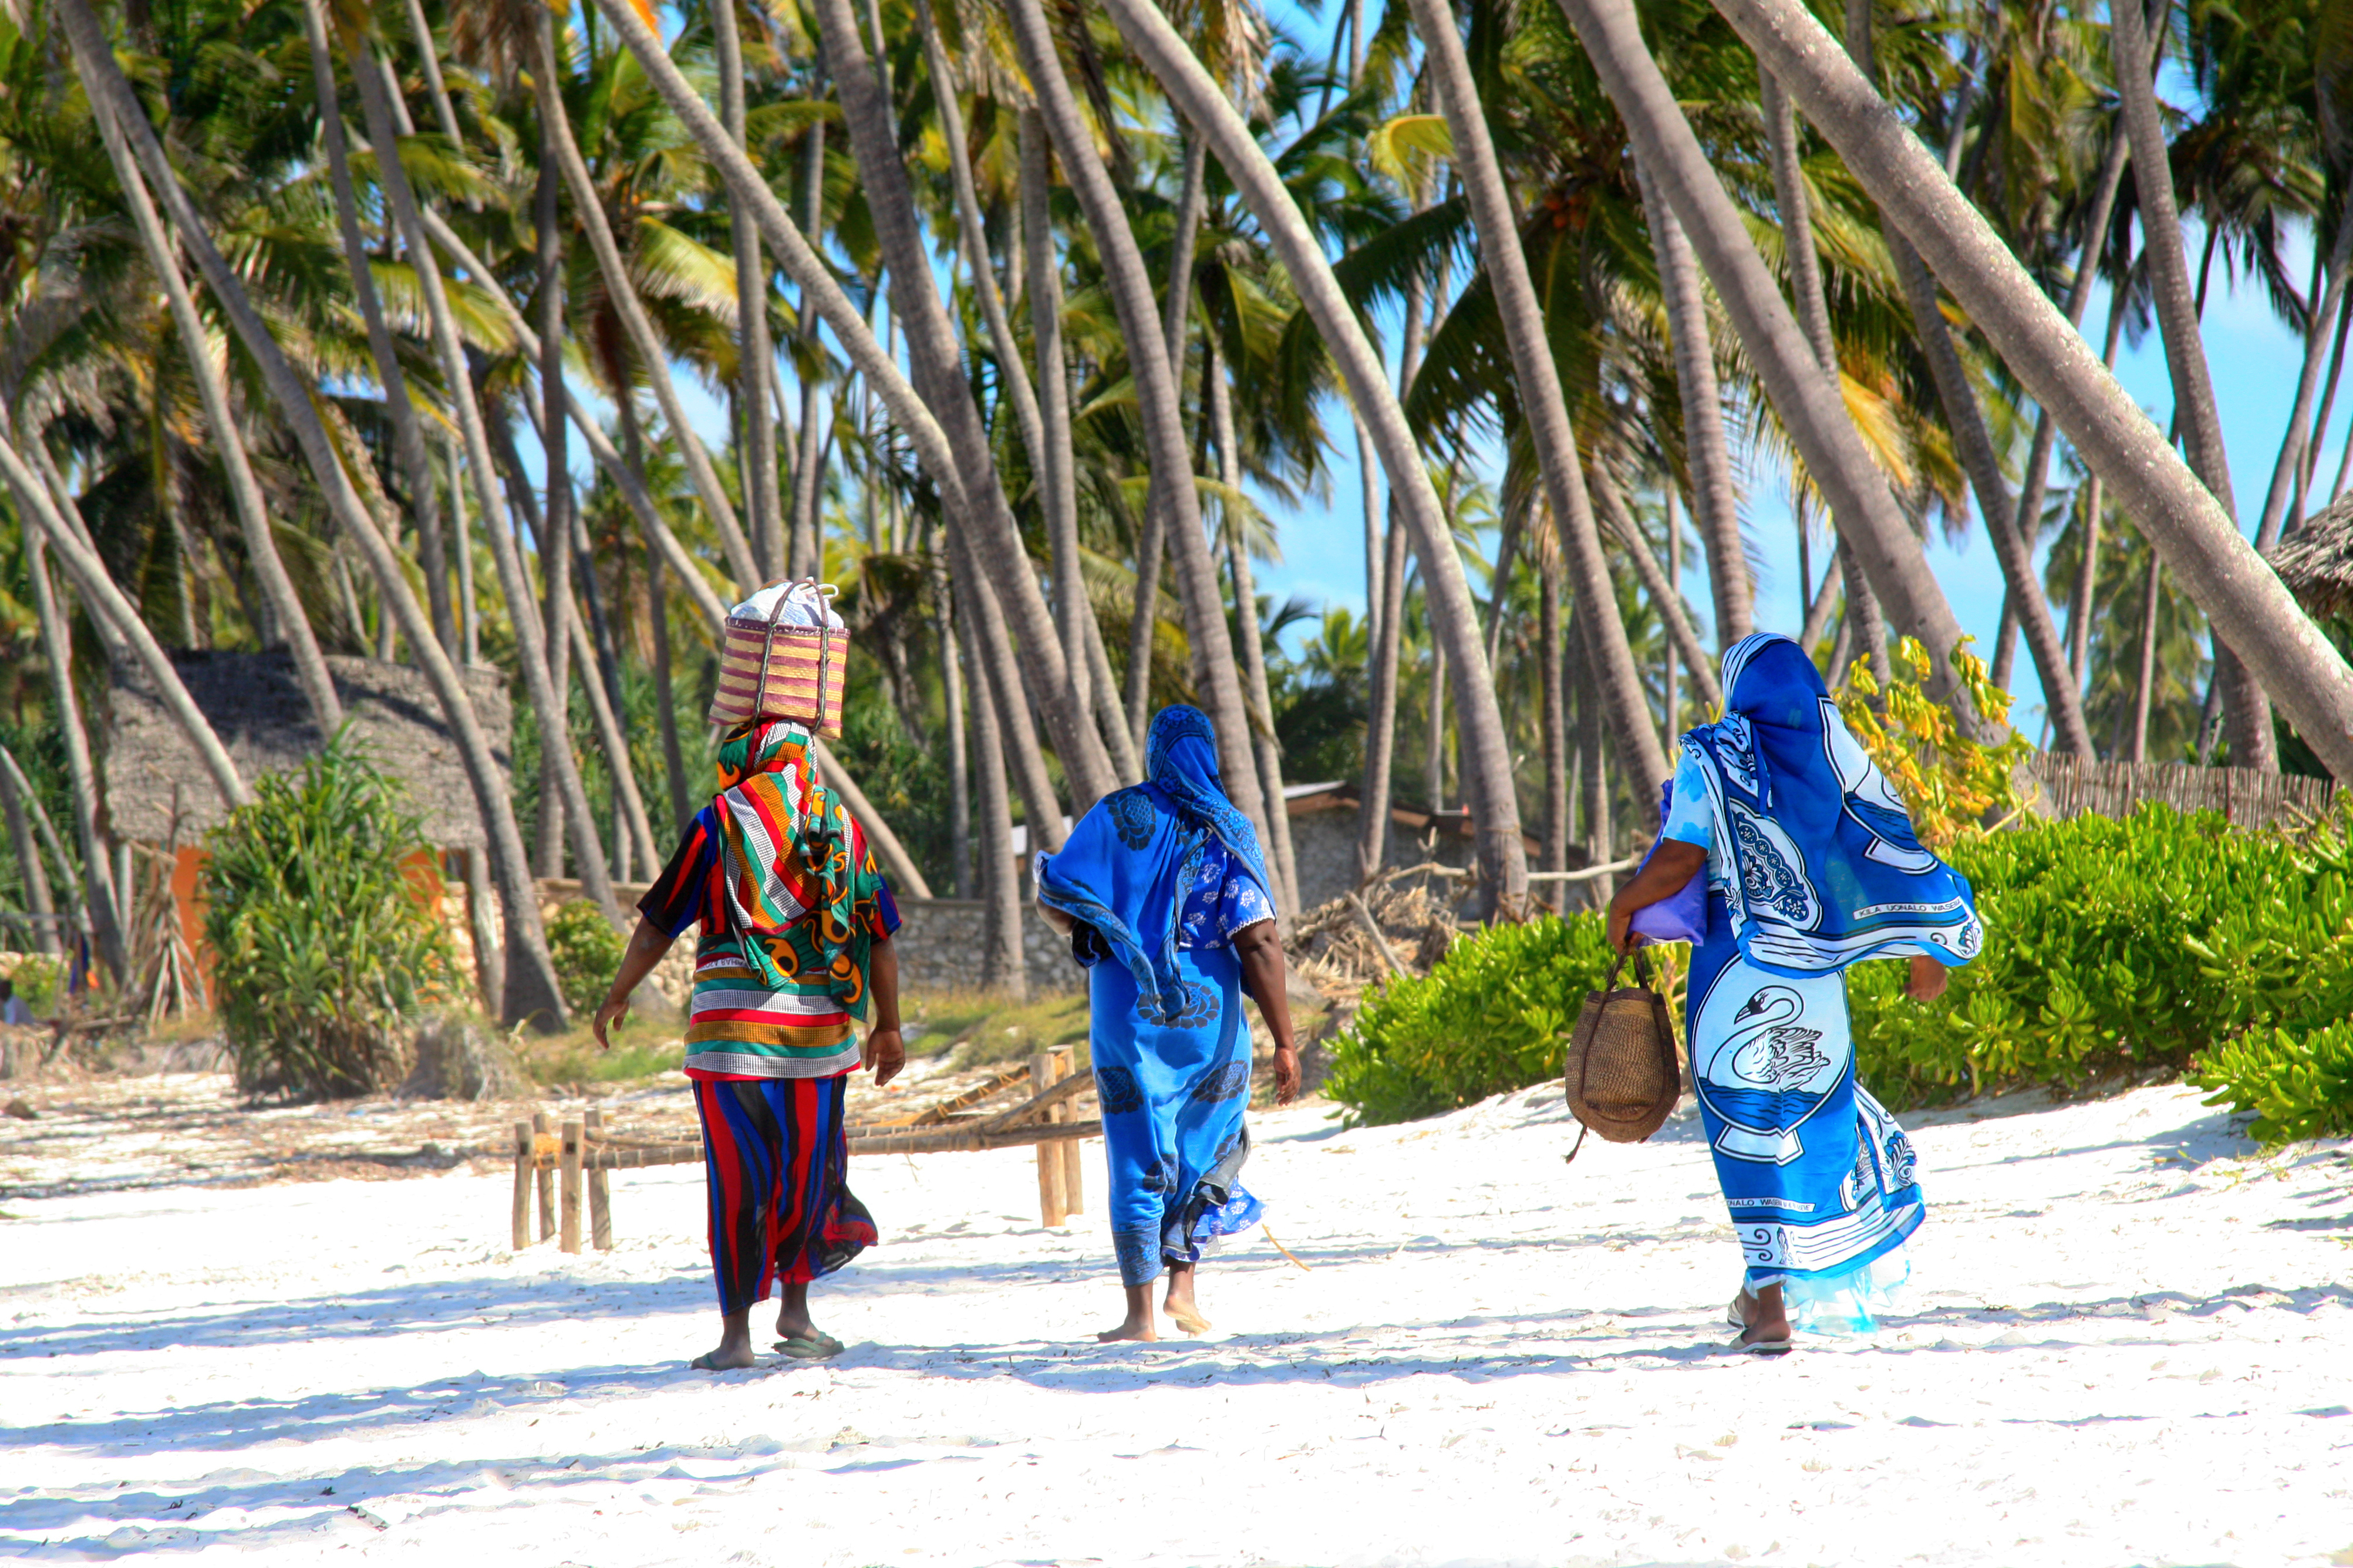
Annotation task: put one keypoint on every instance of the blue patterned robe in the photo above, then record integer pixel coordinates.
(1812, 866)
(1159, 878)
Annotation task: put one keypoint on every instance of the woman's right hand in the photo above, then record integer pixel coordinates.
(611, 1012)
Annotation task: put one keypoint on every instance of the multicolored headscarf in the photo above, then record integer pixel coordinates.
(1129, 861)
(789, 852)
(1824, 868)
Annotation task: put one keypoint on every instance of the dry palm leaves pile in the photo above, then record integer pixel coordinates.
(1334, 950)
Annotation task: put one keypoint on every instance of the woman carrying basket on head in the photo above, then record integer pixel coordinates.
(796, 946)
(1812, 866)
(1164, 895)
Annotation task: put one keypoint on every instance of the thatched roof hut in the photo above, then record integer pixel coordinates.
(2316, 561)
(259, 712)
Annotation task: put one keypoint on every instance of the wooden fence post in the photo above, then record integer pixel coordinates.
(539, 1123)
(1052, 1209)
(600, 1194)
(1074, 1180)
(572, 1143)
(522, 1162)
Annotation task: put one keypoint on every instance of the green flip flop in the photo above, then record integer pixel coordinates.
(819, 1346)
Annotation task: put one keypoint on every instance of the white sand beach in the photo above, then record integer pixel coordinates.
(2128, 1343)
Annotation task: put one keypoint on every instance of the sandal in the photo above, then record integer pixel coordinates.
(817, 1346)
(1746, 1346)
(704, 1363)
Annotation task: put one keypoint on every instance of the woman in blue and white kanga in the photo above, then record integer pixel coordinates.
(1164, 895)
(1812, 866)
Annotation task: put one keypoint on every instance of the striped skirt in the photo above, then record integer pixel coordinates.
(777, 1163)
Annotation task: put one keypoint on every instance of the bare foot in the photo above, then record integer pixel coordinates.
(1767, 1319)
(728, 1357)
(1182, 1309)
(1139, 1331)
(1185, 1315)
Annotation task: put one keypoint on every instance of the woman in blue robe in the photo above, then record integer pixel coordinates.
(1812, 866)
(1164, 895)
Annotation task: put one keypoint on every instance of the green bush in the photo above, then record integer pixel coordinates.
(2163, 942)
(2116, 947)
(1494, 1015)
(323, 937)
(38, 980)
(2295, 1088)
(586, 951)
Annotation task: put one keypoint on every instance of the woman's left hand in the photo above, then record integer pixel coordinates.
(886, 1053)
(1286, 1075)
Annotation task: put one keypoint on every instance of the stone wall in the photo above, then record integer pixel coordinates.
(939, 947)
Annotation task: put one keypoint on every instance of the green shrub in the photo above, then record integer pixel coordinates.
(586, 951)
(2118, 947)
(324, 942)
(2163, 942)
(2295, 1088)
(37, 979)
(1494, 1015)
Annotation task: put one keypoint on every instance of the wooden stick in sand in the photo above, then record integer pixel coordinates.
(1052, 1209)
(600, 1193)
(573, 1141)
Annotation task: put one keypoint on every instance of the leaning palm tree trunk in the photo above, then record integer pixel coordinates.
(533, 652)
(1387, 644)
(1485, 752)
(755, 354)
(1159, 396)
(1144, 620)
(531, 987)
(1809, 403)
(1058, 471)
(1001, 966)
(1263, 742)
(2237, 591)
(1618, 681)
(98, 881)
(1657, 583)
(2247, 718)
(980, 509)
(2013, 545)
(14, 802)
(245, 492)
(408, 436)
(40, 512)
(938, 360)
(621, 291)
(1707, 458)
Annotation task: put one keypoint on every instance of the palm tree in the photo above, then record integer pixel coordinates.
(1486, 758)
(1159, 402)
(531, 987)
(1809, 403)
(1618, 683)
(2250, 609)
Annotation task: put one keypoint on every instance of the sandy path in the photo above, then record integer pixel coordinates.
(2131, 1345)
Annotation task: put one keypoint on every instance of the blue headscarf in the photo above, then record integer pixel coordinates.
(1822, 866)
(1129, 861)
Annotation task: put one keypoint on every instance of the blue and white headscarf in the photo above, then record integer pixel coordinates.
(1129, 862)
(1822, 866)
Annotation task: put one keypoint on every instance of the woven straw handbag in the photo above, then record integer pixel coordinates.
(1623, 1079)
(772, 669)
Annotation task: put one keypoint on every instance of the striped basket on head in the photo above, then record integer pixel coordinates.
(788, 663)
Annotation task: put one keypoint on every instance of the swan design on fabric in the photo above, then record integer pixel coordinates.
(1781, 1054)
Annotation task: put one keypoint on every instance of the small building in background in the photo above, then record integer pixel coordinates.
(149, 772)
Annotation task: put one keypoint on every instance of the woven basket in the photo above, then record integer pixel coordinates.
(1623, 1080)
(771, 670)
